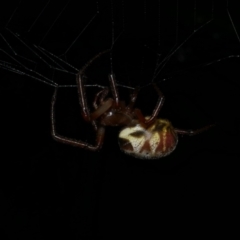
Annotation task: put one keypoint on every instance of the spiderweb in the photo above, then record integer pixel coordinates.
(186, 47)
(149, 41)
(189, 49)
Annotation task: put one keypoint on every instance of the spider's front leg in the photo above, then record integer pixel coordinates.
(99, 98)
(117, 103)
(158, 106)
(100, 132)
(150, 120)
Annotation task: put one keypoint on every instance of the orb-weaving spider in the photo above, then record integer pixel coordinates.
(142, 137)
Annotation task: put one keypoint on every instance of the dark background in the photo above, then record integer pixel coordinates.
(50, 189)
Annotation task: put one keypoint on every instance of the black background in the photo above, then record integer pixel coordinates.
(50, 189)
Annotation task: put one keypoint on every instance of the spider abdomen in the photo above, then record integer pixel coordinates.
(156, 141)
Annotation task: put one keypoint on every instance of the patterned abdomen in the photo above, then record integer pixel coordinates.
(157, 141)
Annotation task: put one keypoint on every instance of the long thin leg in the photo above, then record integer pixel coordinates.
(158, 106)
(81, 89)
(193, 132)
(82, 98)
(146, 122)
(115, 94)
(133, 98)
(99, 137)
(113, 83)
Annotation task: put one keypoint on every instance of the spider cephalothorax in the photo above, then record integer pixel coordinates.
(142, 137)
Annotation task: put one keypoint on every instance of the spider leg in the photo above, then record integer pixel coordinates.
(133, 98)
(158, 106)
(102, 108)
(82, 98)
(146, 122)
(81, 90)
(113, 83)
(193, 132)
(99, 97)
(99, 137)
(82, 70)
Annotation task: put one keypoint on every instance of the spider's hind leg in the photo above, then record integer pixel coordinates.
(193, 132)
(158, 106)
(100, 132)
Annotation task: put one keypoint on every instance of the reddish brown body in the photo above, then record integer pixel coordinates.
(142, 137)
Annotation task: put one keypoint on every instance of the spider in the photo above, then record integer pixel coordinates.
(141, 137)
